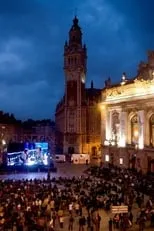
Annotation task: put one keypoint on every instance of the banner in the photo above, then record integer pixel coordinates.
(119, 209)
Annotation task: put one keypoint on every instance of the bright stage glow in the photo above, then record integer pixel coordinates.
(33, 154)
(45, 160)
(30, 163)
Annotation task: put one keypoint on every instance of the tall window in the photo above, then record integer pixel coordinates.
(134, 130)
(115, 126)
(152, 130)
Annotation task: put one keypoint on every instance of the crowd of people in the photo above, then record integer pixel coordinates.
(43, 205)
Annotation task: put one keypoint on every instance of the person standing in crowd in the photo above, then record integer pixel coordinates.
(71, 221)
(33, 203)
(77, 206)
(116, 220)
(89, 222)
(82, 222)
(50, 225)
(110, 224)
(70, 208)
(131, 218)
(54, 218)
(141, 223)
(80, 209)
(61, 221)
(97, 222)
(152, 219)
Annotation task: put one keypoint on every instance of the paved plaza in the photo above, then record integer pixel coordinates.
(104, 223)
(63, 170)
(70, 170)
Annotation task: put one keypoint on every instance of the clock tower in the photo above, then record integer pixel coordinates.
(75, 66)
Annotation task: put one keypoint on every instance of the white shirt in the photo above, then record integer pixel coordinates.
(70, 207)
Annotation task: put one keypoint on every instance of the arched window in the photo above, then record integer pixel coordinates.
(134, 130)
(151, 124)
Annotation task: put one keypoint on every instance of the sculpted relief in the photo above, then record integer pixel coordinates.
(113, 91)
(119, 91)
(139, 86)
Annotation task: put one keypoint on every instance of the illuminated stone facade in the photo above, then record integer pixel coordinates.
(77, 116)
(14, 131)
(39, 131)
(124, 130)
(128, 120)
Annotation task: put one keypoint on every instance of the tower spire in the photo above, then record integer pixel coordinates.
(75, 34)
(76, 12)
(74, 51)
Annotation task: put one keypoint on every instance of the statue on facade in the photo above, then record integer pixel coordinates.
(108, 82)
(115, 126)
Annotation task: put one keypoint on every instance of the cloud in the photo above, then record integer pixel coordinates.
(29, 100)
(110, 41)
(33, 33)
(100, 13)
(11, 58)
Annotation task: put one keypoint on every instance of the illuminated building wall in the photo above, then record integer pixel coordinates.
(125, 128)
(129, 107)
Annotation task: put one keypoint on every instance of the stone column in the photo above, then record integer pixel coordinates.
(123, 129)
(103, 125)
(141, 129)
(108, 125)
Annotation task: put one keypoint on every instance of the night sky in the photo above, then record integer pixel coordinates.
(118, 34)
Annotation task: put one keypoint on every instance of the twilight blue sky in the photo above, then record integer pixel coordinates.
(118, 34)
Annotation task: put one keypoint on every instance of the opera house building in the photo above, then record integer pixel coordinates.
(127, 120)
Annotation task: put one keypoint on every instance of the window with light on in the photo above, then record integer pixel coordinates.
(107, 158)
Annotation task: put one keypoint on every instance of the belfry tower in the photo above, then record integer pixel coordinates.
(75, 66)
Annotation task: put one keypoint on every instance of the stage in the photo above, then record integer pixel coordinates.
(27, 157)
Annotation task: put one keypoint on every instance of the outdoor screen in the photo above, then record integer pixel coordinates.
(29, 154)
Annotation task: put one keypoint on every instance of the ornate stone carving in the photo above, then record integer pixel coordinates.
(114, 91)
(137, 88)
